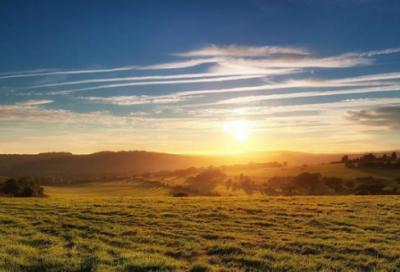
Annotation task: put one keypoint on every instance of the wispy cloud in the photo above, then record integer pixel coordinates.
(37, 114)
(372, 53)
(252, 99)
(137, 99)
(242, 51)
(305, 83)
(34, 102)
(17, 75)
(265, 110)
(294, 62)
(260, 73)
(110, 86)
(386, 116)
(181, 64)
(44, 70)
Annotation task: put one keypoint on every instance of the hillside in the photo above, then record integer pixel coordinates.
(102, 162)
(139, 161)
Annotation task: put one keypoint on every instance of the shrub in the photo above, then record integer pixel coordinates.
(181, 194)
(350, 184)
(24, 187)
(307, 180)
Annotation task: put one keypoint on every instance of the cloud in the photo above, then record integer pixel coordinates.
(109, 86)
(137, 99)
(181, 64)
(257, 98)
(44, 70)
(372, 53)
(387, 116)
(243, 51)
(263, 110)
(68, 72)
(368, 78)
(36, 114)
(231, 72)
(305, 83)
(34, 102)
(294, 62)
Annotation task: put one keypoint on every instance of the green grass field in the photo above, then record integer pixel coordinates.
(346, 233)
(133, 225)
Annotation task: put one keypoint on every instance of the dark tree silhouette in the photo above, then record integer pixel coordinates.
(350, 184)
(307, 180)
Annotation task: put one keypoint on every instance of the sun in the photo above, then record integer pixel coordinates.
(239, 129)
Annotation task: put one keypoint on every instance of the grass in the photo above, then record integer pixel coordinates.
(136, 188)
(331, 233)
(123, 188)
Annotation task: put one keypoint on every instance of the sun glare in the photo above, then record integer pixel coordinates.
(239, 129)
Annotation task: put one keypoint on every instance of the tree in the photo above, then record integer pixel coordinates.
(350, 165)
(11, 187)
(345, 159)
(369, 157)
(394, 156)
(307, 180)
(374, 187)
(27, 192)
(333, 182)
(228, 184)
(24, 187)
(384, 157)
(350, 184)
(275, 182)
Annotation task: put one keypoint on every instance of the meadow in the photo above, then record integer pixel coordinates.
(136, 225)
(320, 233)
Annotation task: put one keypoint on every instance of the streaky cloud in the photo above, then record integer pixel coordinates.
(252, 99)
(109, 86)
(259, 72)
(181, 64)
(308, 83)
(383, 116)
(262, 110)
(372, 53)
(128, 68)
(242, 51)
(137, 99)
(34, 102)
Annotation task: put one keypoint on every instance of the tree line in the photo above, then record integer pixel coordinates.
(370, 160)
(22, 187)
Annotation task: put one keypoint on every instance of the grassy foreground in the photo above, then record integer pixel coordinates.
(201, 234)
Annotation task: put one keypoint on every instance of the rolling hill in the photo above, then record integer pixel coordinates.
(139, 161)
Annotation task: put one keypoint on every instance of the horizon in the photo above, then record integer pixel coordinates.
(200, 77)
(217, 154)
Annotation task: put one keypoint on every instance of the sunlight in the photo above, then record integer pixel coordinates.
(239, 129)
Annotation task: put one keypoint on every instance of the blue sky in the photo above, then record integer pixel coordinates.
(199, 76)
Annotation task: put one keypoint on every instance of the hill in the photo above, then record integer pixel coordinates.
(139, 161)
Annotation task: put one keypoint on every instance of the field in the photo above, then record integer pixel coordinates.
(349, 233)
(264, 174)
(135, 225)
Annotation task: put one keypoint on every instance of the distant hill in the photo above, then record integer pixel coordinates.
(139, 161)
(102, 162)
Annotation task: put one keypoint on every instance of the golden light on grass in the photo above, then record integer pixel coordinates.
(239, 129)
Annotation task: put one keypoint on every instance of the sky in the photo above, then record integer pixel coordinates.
(209, 77)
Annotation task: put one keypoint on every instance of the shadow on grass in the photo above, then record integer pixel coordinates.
(381, 172)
